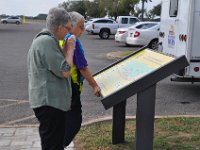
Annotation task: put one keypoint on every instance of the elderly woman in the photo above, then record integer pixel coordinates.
(49, 78)
(79, 71)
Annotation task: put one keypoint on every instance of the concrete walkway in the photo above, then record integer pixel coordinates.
(20, 138)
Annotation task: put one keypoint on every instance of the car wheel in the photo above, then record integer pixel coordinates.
(17, 22)
(153, 44)
(4, 22)
(104, 34)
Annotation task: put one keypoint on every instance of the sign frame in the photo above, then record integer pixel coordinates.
(142, 83)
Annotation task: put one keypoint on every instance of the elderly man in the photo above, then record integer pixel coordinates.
(49, 78)
(78, 72)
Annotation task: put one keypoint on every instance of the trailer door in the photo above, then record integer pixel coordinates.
(174, 26)
(168, 26)
(183, 23)
(195, 42)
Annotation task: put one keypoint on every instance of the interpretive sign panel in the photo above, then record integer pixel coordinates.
(130, 70)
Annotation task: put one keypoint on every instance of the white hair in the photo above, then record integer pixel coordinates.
(76, 17)
(57, 16)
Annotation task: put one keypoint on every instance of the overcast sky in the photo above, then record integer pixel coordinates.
(35, 7)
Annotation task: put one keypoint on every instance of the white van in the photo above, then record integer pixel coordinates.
(180, 35)
(126, 21)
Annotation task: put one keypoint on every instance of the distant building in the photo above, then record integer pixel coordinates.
(4, 16)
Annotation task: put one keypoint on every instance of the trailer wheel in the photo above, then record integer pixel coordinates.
(104, 34)
(153, 44)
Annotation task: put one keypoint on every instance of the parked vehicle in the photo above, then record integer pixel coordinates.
(88, 25)
(14, 20)
(126, 21)
(180, 35)
(102, 26)
(121, 35)
(89, 22)
(105, 27)
(144, 33)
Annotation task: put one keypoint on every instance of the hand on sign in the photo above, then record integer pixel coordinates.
(97, 91)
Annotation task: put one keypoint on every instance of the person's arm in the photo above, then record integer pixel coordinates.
(55, 61)
(88, 76)
(68, 50)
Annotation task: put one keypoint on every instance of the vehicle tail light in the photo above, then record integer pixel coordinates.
(93, 26)
(121, 32)
(196, 69)
(136, 34)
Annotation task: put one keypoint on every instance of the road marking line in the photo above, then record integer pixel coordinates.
(18, 103)
(13, 100)
(18, 120)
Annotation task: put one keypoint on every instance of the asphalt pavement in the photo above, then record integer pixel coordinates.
(172, 98)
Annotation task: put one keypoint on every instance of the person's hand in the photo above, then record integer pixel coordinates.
(97, 91)
(69, 45)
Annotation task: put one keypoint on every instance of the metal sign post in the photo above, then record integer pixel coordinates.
(145, 118)
(118, 127)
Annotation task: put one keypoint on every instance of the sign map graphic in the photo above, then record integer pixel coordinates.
(129, 70)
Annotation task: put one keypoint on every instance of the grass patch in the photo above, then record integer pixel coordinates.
(169, 134)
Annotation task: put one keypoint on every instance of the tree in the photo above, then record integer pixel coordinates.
(100, 8)
(127, 6)
(92, 8)
(137, 12)
(78, 6)
(143, 10)
(154, 12)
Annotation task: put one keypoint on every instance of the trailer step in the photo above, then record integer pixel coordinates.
(185, 79)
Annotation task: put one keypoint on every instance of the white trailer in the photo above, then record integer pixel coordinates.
(180, 35)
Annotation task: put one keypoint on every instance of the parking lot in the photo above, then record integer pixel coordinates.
(172, 98)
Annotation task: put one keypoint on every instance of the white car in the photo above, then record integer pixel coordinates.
(88, 25)
(144, 33)
(96, 24)
(121, 35)
(14, 20)
(88, 22)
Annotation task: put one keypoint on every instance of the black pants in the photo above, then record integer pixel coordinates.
(74, 116)
(52, 127)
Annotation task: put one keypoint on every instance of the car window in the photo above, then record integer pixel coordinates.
(124, 20)
(133, 20)
(109, 21)
(104, 21)
(145, 26)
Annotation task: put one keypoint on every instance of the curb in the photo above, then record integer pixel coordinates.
(117, 55)
(101, 120)
(109, 118)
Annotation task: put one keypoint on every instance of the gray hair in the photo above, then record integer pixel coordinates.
(57, 16)
(76, 17)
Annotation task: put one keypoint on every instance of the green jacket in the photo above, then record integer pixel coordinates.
(47, 85)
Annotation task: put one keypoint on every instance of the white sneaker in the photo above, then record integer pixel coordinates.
(70, 146)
